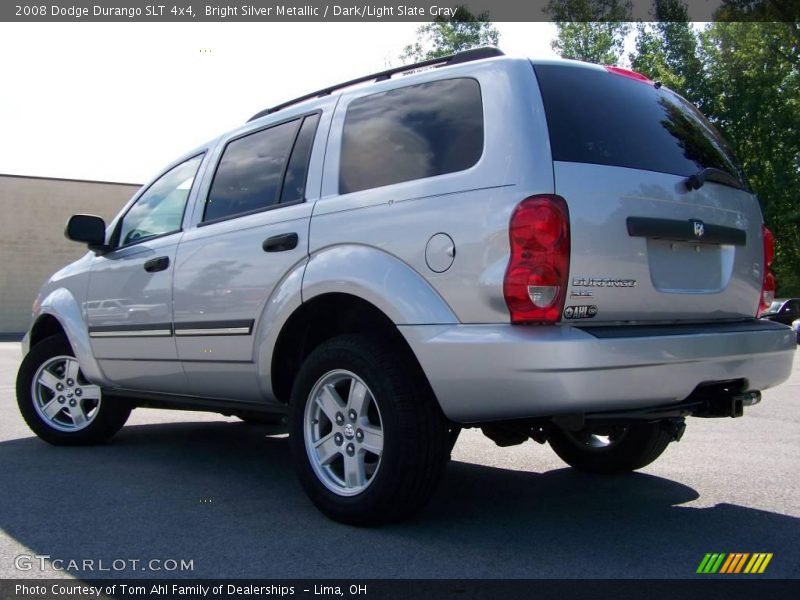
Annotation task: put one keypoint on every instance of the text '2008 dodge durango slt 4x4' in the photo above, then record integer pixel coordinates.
(542, 249)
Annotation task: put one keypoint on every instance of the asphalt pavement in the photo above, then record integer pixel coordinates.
(221, 495)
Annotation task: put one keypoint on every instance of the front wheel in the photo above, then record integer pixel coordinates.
(368, 439)
(611, 449)
(59, 404)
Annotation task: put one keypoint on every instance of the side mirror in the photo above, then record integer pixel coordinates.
(89, 229)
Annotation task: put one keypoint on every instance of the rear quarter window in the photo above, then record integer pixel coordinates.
(411, 133)
(603, 118)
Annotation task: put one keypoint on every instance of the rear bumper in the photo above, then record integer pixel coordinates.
(492, 372)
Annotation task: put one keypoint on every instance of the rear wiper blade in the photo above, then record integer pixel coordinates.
(696, 181)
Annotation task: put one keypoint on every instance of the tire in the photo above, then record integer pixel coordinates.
(57, 402)
(383, 465)
(620, 449)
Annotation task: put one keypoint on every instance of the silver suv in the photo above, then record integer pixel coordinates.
(542, 249)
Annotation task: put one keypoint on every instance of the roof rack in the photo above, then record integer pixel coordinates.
(443, 61)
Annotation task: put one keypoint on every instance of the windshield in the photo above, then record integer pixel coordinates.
(603, 118)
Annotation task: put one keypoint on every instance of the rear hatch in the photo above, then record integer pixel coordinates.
(645, 247)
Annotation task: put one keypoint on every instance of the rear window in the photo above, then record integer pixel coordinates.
(410, 133)
(603, 118)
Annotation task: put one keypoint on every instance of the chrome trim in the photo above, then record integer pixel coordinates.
(214, 331)
(131, 333)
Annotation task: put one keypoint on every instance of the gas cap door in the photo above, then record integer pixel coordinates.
(440, 252)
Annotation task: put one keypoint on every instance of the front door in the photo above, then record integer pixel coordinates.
(129, 301)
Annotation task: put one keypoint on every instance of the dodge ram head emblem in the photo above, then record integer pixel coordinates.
(699, 228)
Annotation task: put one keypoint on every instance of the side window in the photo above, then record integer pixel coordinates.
(410, 133)
(160, 209)
(248, 178)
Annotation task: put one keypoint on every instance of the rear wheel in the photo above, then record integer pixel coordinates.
(59, 404)
(368, 439)
(611, 449)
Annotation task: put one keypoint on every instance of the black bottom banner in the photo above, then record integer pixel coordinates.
(249, 589)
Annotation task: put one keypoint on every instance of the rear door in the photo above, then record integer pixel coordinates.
(251, 230)
(645, 247)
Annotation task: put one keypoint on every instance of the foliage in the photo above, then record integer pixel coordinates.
(445, 36)
(667, 50)
(753, 94)
(743, 71)
(591, 30)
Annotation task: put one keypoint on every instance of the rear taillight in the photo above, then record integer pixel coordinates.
(768, 282)
(536, 279)
(628, 73)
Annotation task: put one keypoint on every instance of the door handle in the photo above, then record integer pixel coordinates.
(156, 264)
(280, 243)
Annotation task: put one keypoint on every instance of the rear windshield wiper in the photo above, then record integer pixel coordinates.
(696, 181)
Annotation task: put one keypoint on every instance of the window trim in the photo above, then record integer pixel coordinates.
(249, 213)
(114, 240)
(301, 119)
(339, 191)
(308, 158)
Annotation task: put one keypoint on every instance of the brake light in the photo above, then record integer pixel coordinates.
(535, 283)
(628, 73)
(768, 281)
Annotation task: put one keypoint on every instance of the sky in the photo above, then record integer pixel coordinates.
(119, 101)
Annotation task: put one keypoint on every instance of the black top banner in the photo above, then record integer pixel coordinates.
(188, 11)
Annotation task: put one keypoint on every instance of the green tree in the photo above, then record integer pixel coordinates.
(753, 88)
(743, 71)
(667, 51)
(445, 36)
(591, 30)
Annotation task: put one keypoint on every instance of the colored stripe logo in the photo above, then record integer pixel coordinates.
(734, 563)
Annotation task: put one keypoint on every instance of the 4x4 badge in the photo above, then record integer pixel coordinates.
(699, 228)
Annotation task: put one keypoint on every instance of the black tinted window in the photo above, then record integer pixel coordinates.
(599, 117)
(410, 133)
(294, 184)
(249, 174)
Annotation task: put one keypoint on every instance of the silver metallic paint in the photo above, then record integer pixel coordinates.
(372, 244)
(485, 372)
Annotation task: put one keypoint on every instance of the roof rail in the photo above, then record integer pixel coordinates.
(443, 61)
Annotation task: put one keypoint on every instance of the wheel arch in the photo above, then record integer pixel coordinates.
(46, 325)
(331, 282)
(378, 277)
(60, 313)
(322, 318)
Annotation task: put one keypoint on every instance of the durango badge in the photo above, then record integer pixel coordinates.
(580, 312)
